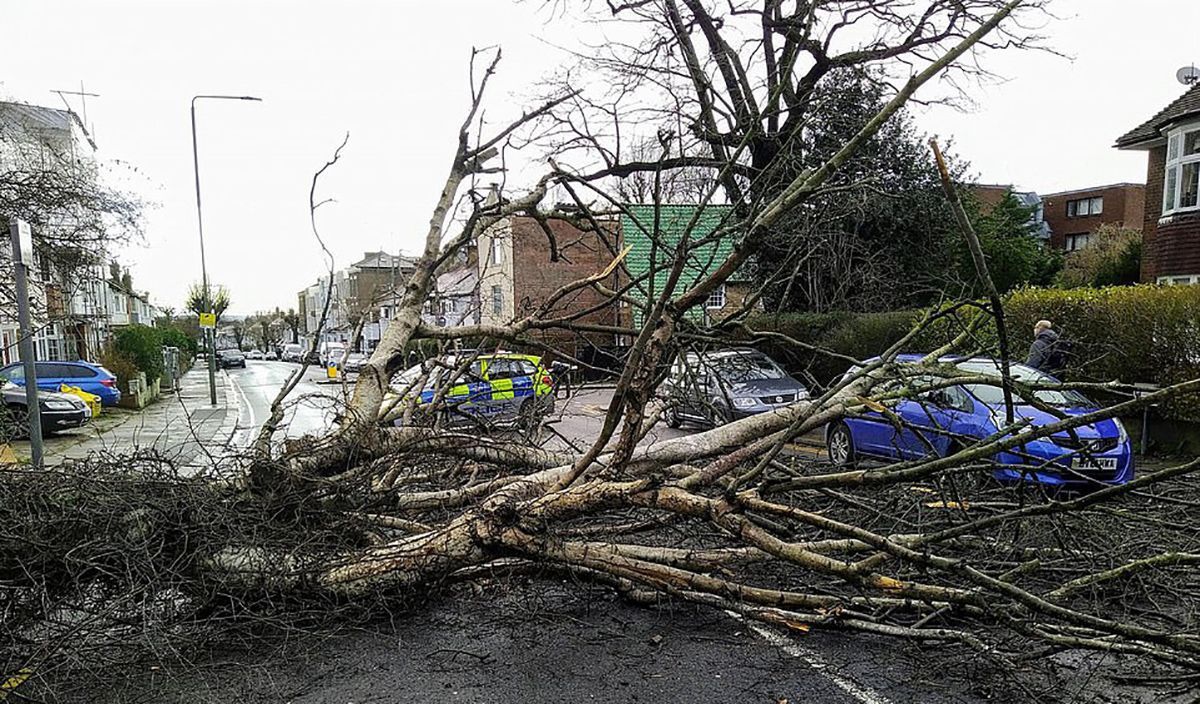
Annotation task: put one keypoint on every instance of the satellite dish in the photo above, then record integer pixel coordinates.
(1188, 75)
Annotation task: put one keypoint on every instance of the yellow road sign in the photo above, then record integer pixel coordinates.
(208, 320)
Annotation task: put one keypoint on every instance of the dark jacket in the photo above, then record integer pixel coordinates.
(1040, 351)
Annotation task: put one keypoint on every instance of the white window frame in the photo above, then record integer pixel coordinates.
(1175, 165)
(1085, 207)
(497, 250)
(497, 300)
(1179, 280)
(716, 299)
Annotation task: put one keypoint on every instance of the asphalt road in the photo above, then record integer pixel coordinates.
(553, 641)
(549, 642)
(311, 407)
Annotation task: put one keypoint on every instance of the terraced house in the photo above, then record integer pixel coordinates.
(78, 294)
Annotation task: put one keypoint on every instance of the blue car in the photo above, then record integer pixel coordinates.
(92, 378)
(939, 421)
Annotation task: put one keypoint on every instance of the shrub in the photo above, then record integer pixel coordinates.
(1133, 334)
(858, 335)
(1147, 334)
(119, 364)
(1112, 257)
(187, 345)
(142, 345)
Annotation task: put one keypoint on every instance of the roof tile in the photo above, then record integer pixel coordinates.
(1183, 106)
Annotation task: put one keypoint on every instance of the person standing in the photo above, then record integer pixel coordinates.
(1048, 353)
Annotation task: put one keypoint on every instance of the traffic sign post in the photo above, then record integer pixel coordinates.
(22, 252)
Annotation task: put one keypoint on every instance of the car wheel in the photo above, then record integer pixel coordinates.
(840, 445)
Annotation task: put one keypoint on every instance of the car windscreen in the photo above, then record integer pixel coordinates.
(742, 368)
(994, 395)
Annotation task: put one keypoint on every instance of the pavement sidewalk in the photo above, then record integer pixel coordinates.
(180, 425)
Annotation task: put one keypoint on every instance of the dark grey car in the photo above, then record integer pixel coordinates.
(59, 412)
(713, 388)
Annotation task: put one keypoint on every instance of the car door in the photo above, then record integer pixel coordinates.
(510, 383)
(469, 393)
(80, 376)
(524, 382)
(931, 421)
(51, 375)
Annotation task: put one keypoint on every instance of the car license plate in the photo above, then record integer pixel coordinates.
(1104, 464)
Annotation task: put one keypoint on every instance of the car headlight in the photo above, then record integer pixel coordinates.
(56, 405)
(744, 402)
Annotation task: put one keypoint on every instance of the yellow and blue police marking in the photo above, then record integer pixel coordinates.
(14, 681)
(481, 397)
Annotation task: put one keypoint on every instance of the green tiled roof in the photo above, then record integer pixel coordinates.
(637, 230)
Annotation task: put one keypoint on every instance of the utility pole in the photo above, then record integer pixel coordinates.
(208, 303)
(22, 248)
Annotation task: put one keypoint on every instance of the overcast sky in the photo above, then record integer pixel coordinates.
(392, 74)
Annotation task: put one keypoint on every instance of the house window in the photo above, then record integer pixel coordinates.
(1182, 177)
(1082, 207)
(1182, 280)
(1075, 243)
(497, 250)
(497, 301)
(716, 299)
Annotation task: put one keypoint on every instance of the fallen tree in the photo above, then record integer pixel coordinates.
(109, 555)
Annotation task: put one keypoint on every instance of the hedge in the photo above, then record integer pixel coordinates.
(141, 345)
(858, 335)
(1134, 334)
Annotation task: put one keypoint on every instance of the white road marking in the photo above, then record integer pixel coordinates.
(860, 693)
(246, 421)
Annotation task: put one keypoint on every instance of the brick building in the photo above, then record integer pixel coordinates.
(519, 271)
(1171, 223)
(1073, 216)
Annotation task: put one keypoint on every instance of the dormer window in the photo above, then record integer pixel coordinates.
(1182, 177)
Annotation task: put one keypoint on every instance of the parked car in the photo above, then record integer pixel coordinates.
(714, 388)
(230, 358)
(292, 353)
(92, 378)
(354, 362)
(270, 355)
(254, 354)
(940, 420)
(500, 388)
(59, 411)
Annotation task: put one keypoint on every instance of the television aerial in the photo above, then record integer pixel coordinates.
(1188, 75)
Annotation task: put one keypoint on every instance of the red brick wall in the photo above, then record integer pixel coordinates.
(1155, 162)
(1171, 247)
(1123, 206)
(580, 255)
(989, 196)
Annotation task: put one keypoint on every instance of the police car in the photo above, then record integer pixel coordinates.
(492, 389)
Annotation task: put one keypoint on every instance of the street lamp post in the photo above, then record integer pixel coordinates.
(212, 352)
